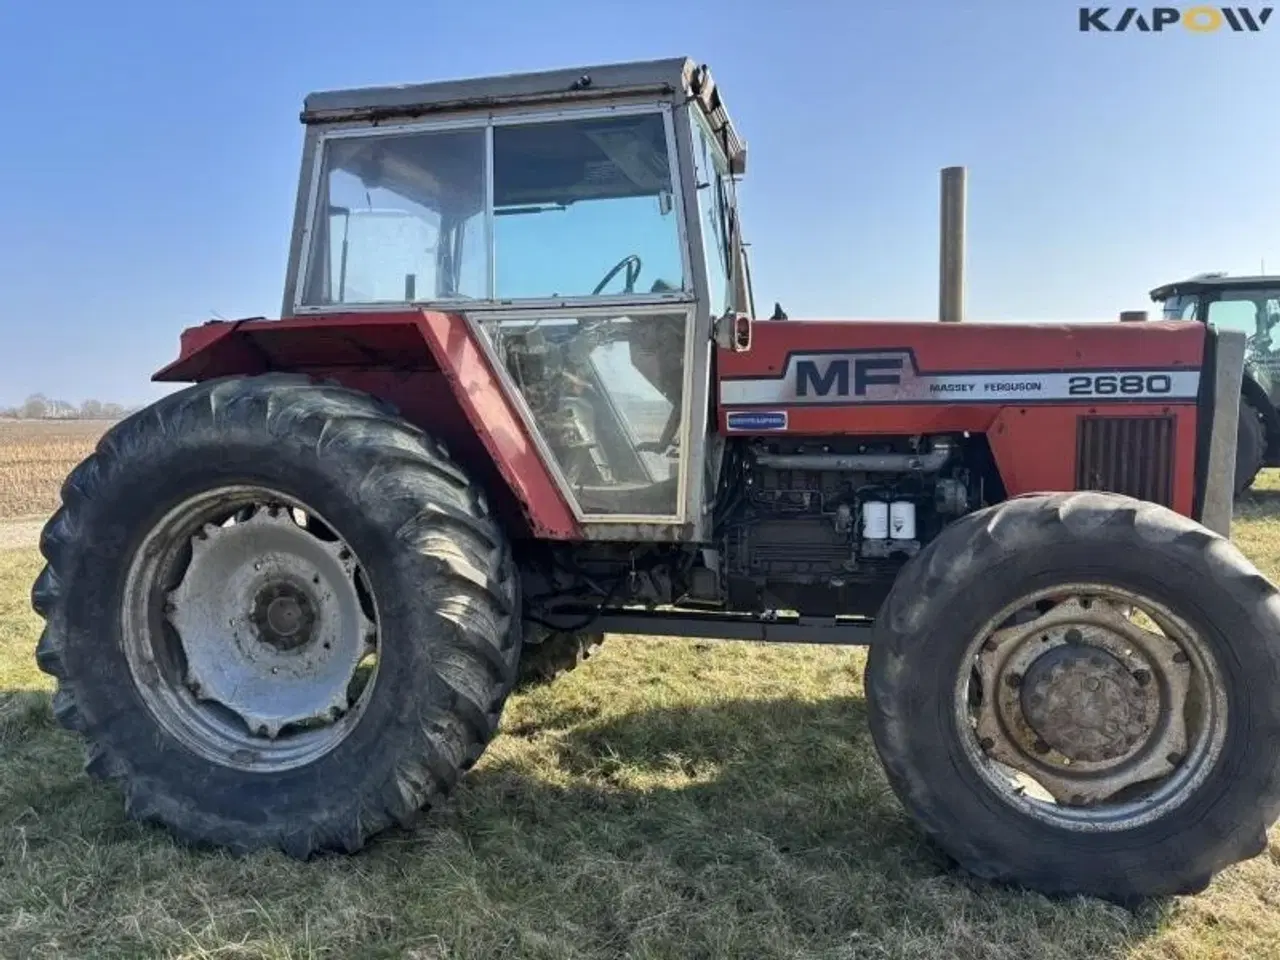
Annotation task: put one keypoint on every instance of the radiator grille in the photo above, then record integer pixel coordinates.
(1127, 455)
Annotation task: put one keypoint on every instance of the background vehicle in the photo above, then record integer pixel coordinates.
(515, 403)
(1250, 305)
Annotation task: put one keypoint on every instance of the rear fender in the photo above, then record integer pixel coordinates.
(428, 365)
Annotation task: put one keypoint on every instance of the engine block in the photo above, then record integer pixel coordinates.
(825, 526)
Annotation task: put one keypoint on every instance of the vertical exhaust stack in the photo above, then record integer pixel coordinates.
(951, 267)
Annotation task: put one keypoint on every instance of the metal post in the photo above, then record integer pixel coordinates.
(951, 268)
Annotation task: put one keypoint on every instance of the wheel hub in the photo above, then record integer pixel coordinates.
(1085, 704)
(1083, 701)
(270, 622)
(284, 616)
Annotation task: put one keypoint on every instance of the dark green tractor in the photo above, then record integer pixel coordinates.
(1252, 306)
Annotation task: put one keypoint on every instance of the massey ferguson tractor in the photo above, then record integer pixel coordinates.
(517, 400)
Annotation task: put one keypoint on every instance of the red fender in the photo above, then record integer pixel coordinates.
(428, 365)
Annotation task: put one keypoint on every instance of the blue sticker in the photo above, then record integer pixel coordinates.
(757, 420)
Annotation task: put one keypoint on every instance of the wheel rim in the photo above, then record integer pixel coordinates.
(1091, 707)
(250, 629)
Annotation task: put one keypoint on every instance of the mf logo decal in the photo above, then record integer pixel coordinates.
(892, 377)
(813, 379)
(1202, 19)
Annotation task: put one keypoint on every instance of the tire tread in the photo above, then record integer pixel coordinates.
(981, 540)
(400, 463)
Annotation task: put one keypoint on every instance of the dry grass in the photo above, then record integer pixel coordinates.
(35, 457)
(670, 799)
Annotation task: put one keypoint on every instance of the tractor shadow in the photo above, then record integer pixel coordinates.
(774, 810)
(1262, 499)
(755, 828)
(1258, 503)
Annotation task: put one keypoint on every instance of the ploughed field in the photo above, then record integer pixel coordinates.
(668, 799)
(35, 457)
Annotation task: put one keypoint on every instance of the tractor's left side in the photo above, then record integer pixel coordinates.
(517, 400)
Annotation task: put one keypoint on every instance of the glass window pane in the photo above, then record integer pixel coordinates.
(605, 392)
(584, 207)
(712, 175)
(1235, 314)
(1257, 315)
(400, 218)
(1180, 308)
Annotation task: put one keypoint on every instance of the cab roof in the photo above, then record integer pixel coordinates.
(1211, 282)
(671, 79)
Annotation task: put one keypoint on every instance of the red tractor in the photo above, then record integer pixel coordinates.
(517, 401)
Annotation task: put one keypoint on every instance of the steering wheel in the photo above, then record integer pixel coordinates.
(632, 264)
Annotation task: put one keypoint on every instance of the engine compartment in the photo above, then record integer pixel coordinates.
(823, 527)
(815, 526)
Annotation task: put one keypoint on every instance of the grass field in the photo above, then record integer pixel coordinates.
(35, 456)
(670, 799)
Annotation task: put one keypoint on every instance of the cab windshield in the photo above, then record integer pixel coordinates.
(507, 211)
(1255, 313)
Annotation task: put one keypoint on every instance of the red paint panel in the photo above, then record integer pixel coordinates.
(829, 420)
(497, 423)
(1034, 444)
(963, 347)
(335, 340)
(427, 364)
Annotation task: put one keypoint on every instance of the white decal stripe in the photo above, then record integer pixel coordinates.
(1097, 386)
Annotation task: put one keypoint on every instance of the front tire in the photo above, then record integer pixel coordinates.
(219, 575)
(1042, 737)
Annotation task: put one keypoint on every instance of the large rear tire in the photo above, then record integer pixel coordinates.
(1251, 446)
(1044, 735)
(279, 615)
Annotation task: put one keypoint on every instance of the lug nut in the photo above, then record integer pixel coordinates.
(1014, 680)
(1142, 676)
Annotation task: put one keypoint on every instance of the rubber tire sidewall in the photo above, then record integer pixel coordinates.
(1251, 446)
(914, 719)
(324, 796)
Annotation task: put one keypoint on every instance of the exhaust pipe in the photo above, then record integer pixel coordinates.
(951, 265)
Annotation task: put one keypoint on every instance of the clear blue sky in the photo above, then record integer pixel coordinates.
(151, 149)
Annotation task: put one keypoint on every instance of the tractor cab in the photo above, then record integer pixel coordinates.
(583, 221)
(1249, 305)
